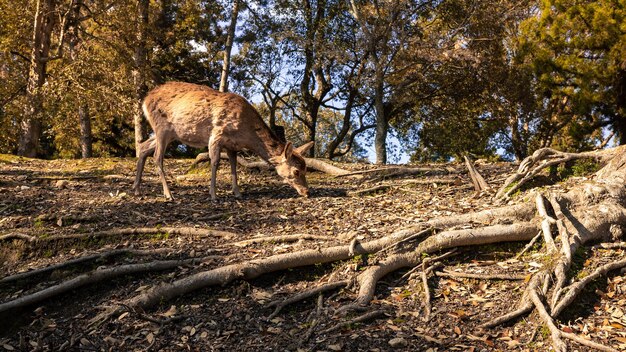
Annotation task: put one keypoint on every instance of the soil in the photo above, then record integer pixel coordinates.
(49, 198)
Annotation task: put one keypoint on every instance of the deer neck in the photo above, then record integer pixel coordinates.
(268, 145)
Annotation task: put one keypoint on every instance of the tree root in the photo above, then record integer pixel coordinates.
(179, 231)
(91, 278)
(18, 236)
(542, 159)
(478, 181)
(281, 239)
(81, 260)
(455, 274)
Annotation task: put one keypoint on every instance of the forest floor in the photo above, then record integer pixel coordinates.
(65, 197)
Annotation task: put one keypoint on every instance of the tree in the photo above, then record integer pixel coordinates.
(31, 126)
(576, 50)
(230, 36)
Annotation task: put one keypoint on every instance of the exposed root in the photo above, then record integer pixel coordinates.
(179, 231)
(542, 159)
(477, 180)
(91, 278)
(587, 343)
(281, 239)
(576, 288)
(81, 260)
(545, 223)
(305, 295)
(18, 236)
(557, 342)
(619, 245)
(455, 274)
(397, 171)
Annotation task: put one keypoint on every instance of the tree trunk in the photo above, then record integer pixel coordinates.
(619, 126)
(139, 73)
(382, 125)
(85, 131)
(229, 46)
(42, 34)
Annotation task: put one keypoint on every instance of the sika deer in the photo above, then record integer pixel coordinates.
(197, 115)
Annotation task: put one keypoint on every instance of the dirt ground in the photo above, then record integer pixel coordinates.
(65, 197)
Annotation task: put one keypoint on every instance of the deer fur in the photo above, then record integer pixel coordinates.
(198, 116)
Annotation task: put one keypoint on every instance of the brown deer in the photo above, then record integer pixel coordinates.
(197, 115)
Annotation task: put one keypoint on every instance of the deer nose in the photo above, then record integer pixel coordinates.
(305, 193)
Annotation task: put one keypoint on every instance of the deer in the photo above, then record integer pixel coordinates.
(198, 116)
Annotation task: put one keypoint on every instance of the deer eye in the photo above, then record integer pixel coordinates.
(296, 173)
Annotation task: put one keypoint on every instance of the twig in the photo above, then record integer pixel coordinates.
(369, 190)
(528, 246)
(361, 318)
(304, 295)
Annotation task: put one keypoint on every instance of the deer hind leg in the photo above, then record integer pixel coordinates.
(232, 158)
(146, 149)
(214, 153)
(161, 144)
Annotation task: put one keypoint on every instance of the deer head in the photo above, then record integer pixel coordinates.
(291, 167)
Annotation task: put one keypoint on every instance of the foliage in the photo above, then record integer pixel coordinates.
(445, 77)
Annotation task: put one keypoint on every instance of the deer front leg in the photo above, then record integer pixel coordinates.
(146, 149)
(214, 154)
(159, 154)
(232, 157)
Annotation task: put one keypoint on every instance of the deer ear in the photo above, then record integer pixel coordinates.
(304, 148)
(288, 150)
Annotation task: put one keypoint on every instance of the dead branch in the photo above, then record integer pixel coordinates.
(479, 182)
(528, 246)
